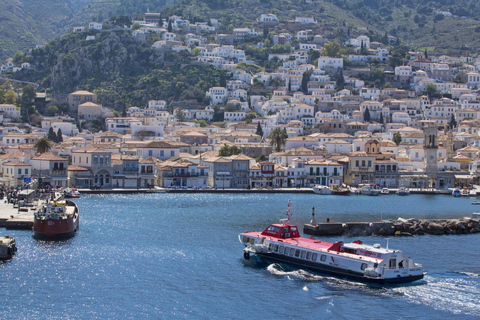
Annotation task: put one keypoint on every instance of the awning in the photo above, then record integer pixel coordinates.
(463, 176)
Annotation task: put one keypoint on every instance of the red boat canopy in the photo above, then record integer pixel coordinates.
(281, 231)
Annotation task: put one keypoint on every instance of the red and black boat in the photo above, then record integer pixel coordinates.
(56, 220)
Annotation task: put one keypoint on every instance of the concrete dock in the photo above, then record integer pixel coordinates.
(14, 218)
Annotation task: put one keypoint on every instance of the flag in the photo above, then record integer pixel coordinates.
(27, 180)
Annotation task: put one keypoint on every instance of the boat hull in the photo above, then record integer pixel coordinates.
(338, 272)
(53, 228)
(341, 193)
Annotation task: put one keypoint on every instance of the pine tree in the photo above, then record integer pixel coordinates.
(51, 135)
(59, 135)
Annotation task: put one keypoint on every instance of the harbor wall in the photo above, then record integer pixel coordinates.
(400, 227)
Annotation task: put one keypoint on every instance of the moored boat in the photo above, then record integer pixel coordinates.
(7, 247)
(456, 192)
(403, 191)
(370, 189)
(339, 190)
(71, 193)
(282, 243)
(56, 220)
(319, 189)
(385, 191)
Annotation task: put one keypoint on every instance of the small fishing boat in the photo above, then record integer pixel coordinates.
(341, 190)
(7, 247)
(385, 191)
(456, 192)
(403, 191)
(370, 189)
(71, 193)
(319, 189)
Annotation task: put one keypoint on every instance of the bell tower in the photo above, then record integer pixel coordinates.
(430, 146)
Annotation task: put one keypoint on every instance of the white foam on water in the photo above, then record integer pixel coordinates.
(455, 294)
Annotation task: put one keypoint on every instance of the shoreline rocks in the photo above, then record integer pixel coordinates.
(399, 227)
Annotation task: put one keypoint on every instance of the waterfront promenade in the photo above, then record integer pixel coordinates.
(305, 190)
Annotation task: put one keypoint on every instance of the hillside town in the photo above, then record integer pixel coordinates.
(313, 120)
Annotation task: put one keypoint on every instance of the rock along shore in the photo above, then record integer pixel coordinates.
(399, 227)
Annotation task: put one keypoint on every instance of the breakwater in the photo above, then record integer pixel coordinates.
(399, 227)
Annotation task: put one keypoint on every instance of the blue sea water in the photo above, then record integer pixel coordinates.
(169, 256)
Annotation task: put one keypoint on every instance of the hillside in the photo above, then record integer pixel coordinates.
(120, 70)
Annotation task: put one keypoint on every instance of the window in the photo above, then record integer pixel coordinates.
(297, 253)
(275, 248)
(363, 163)
(161, 153)
(314, 257)
(363, 266)
(19, 171)
(26, 171)
(369, 163)
(323, 258)
(172, 153)
(357, 163)
(280, 250)
(303, 254)
(309, 255)
(292, 252)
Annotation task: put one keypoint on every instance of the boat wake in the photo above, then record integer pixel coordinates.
(300, 274)
(276, 269)
(458, 294)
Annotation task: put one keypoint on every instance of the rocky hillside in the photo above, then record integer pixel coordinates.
(122, 71)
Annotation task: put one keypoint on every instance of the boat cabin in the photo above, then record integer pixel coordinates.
(283, 231)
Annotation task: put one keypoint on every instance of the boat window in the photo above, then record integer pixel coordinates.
(275, 248)
(245, 239)
(363, 266)
(293, 229)
(303, 254)
(348, 250)
(393, 263)
(314, 257)
(269, 247)
(281, 249)
(297, 253)
(274, 229)
(323, 257)
(292, 251)
(309, 255)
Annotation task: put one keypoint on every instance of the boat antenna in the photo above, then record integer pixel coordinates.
(289, 211)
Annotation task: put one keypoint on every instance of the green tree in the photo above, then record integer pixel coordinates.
(305, 79)
(52, 135)
(223, 81)
(332, 49)
(59, 135)
(10, 97)
(259, 130)
(227, 151)
(340, 83)
(51, 110)
(366, 115)
(381, 118)
(397, 138)
(278, 137)
(17, 58)
(453, 122)
(136, 26)
(43, 145)
(169, 27)
(431, 91)
(262, 157)
(26, 101)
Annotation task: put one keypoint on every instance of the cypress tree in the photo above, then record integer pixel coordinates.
(51, 135)
(59, 135)
(259, 130)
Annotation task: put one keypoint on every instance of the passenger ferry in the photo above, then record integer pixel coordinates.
(282, 243)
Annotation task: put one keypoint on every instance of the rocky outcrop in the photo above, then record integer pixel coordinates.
(400, 227)
(436, 226)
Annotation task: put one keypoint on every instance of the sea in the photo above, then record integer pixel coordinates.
(177, 256)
